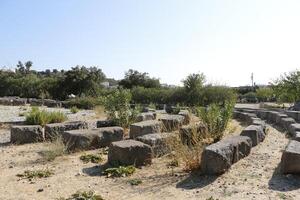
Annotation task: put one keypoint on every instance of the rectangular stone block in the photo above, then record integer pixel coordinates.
(256, 134)
(218, 157)
(26, 134)
(145, 116)
(144, 127)
(86, 139)
(53, 131)
(290, 160)
(171, 122)
(294, 128)
(286, 122)
(129, 152)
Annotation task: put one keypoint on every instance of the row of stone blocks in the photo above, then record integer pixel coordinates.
(34, 133)
(290, 160)
(217, 158)
(147, 140)
(17, 101)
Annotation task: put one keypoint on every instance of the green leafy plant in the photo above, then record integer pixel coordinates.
(30, 174)
(120, 171)
(83, 195)
(135, 181)
(216, 118)
(42, 117)
(93, 158)
(117, 106)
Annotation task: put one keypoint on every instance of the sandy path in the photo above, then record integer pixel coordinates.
(251, 178)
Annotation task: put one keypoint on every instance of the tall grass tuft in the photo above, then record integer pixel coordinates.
(42, 117)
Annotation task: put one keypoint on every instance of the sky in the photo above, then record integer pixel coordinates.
(227, 40)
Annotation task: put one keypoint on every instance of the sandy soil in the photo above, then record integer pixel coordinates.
(255, 177)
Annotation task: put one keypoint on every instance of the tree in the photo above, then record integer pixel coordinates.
(194, 81)
(82, 81)
(135, 78)
(265, 94)
(24, 69)
(193, 85)
(287, 87)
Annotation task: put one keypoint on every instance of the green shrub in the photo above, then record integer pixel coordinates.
(216, 118)
(30, 174)
(93, 158)
(42, 117)
(74, 110)
(83, 195)
(117, 106)
(120, 171)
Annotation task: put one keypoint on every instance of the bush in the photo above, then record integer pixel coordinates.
(42, 117)
(121, 171)
(117, 106)
(216, 118)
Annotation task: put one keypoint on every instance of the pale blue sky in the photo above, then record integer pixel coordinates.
(225, 39)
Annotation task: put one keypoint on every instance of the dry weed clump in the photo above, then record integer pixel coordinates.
(188, 155)
(54, 149)
(83, 195)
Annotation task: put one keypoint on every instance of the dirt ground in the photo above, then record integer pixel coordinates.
(255, 177)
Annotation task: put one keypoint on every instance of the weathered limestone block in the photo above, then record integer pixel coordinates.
(171, 122)
(280, 116)
(86, 139)
(52, 131)
(293, 114)
(218, 157)
(297, 136)
(105, 123)
(191, 134)
(259, 122)
(145, 116)
(256, 134)
(51, 103)
(129, 152)
(272, 116)
(286, 122)
(158, 141)
(290, 160)
(26, 134)
(35, 102)
(293, 128)
(144, 127)
(263, 114)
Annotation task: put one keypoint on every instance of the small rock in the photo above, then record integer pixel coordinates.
(40, 190)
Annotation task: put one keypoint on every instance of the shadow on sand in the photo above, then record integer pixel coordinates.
(281, 182)
(96, 170)
(196, 180)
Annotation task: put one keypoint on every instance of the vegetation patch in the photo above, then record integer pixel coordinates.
(83, 195)
(135, 181)
(74, 110)
(93, 158)
(43, 117)
(31, 174)
(54, 149)
(120, 171)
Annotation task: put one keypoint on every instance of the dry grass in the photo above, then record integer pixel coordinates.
(53, 150)
(100, 112)
(188, 156)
